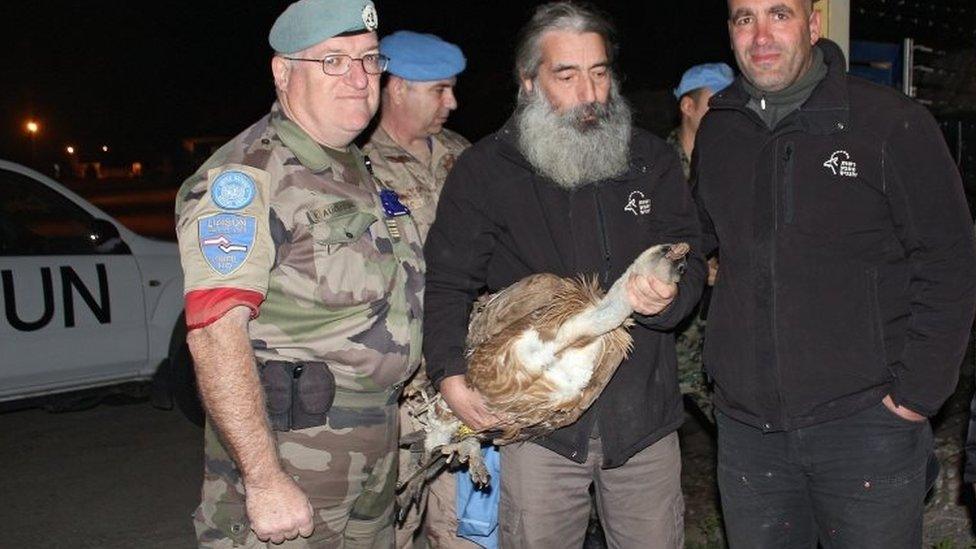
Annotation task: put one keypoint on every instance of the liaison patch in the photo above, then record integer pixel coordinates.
(226, 240)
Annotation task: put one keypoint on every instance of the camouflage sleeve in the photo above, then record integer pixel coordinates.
(225, 242)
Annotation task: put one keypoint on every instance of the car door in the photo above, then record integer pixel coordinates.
(73, 312)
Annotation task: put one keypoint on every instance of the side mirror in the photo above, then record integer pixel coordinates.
(106, 239)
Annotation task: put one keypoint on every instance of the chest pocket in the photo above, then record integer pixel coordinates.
(354, 261)
(832, 192)
(338, 232)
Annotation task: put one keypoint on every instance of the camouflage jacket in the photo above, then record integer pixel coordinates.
(338, 277)
(418, 184)
(674, 139)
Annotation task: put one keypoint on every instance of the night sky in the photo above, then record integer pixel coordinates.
(142, 75)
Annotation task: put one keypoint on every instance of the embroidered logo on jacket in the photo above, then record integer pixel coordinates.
(638, 204)
(840, 163)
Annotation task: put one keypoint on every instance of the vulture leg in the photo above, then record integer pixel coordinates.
(468, 450)
(410, 490)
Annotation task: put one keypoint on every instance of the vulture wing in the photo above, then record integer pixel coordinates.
(493, 313)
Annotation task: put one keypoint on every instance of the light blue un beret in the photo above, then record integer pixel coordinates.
(714, 76)
(308, 22)
(421, 57)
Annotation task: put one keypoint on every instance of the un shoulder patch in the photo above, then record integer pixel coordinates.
(226, 240)
(233, 190)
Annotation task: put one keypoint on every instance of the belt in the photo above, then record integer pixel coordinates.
(344, 398)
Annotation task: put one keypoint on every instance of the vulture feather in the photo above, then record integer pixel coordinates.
(540, 352)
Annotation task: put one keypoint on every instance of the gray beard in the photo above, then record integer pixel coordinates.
(568, 148)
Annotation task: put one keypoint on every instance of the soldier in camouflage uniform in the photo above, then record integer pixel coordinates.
(304, 282)
(412, 152)
(697, 86)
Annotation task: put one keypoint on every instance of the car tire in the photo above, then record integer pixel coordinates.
(183, 379)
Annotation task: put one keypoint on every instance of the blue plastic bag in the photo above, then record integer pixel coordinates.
(477, 509)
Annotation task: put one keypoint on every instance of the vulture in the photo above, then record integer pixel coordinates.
(540, 352)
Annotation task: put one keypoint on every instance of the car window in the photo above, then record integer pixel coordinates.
(37, 220)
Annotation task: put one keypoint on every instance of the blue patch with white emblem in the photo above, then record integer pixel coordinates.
(226, 240)
(391, 204)
(233, 190)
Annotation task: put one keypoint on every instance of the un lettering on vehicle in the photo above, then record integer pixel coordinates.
(30, 305)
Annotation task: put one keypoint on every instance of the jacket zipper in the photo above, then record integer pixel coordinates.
(788, 189)
(605, 244)
(773, 136)
(787, 157)
(773, 314)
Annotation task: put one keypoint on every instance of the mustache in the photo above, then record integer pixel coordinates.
(587, 116)
(764, 50)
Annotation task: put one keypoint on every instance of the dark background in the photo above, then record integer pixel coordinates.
(141, 76)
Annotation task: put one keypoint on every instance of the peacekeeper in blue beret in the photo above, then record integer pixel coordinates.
(412, 152)
(303, 289)
(698, 85)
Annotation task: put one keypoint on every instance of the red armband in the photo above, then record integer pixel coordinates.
(204, 307)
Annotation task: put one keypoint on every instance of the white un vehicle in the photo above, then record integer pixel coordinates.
(87, 303)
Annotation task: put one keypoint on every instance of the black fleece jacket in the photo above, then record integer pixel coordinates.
(499, 221)
(848, 268)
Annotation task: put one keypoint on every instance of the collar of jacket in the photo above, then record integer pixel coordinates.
(827, 110)
(507, 137)
(306, 150)
(382, 142)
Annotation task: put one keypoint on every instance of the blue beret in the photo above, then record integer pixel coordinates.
(714, 76)
(308, 22)
(421, 57)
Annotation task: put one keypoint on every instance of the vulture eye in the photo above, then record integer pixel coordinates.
(666, 250)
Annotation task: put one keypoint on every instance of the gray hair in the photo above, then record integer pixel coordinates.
(559, 16)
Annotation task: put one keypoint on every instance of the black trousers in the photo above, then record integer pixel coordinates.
(856, 482)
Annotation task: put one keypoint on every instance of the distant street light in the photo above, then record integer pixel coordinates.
(69, 149)
(104, 148)
(32, 128)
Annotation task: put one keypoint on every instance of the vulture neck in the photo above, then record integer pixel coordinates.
(612, 311)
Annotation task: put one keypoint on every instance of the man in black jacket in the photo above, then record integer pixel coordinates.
(846, 296)
(568, 186)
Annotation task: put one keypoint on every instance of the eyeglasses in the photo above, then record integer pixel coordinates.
(340, 63)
